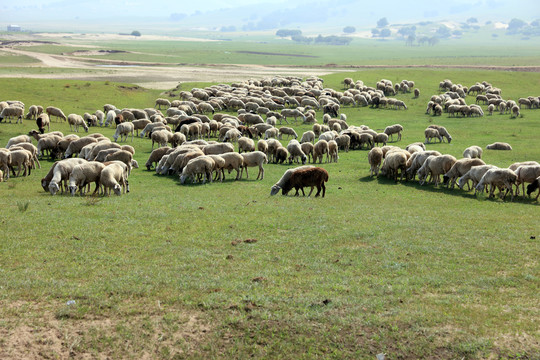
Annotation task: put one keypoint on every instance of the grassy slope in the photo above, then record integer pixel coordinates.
(415, 272)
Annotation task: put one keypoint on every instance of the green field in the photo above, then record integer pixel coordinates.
(374, 267)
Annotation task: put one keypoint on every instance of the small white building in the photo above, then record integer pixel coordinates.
(13, 28)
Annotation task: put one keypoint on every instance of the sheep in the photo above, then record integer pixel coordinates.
(459, 168)
(155, 156)
(114, 176)
(526, 173)
(17, 140)
(308, 136)
(48, 144)
(306, 177)
(262, 145)
(33, 112)
(85, 151)
(280, 155)
(416, 92)
(394, 129)
(430, 133)
(375, 156)
(84, 174)
(500, 178)
(42, 121)
(295, 113)
(285, 179)
(442, 132)
(343, 142)
(245, 144)
(233, 161)
(435, 166)
(23, 160)
(319, 149)
(515, 165)
(218, 149)
(5, 160)
(76, 146)
(475, 175)
(161, 137)
(202, 166)
(380, 138)
(75, 121)
(232, 135)
(251, 159)
(178, 139)
(124, 156)
(30, 147)
(307, 149)
(473, 152)
(61, 171)
(162, 102)
(287, 131)
(393, 162)
(499, 146)
(295, 150)
(515, 111)
(272, 133)
(12, 111)
(123, 130)
(333, 151)
(533, 186)
(54, 111)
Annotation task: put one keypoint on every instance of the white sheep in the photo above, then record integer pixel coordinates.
(12, 112)
(262, 145)
(76, 146)
(393, 163)
(473, 152)
(75, 121)
(526, 173)
(123, 130)
(430, 133)
(84, 174)
(218, 149)
(375, 157)
(499, 146)
(114, 176)
(394, 129)
(252, 159)
(200, 166)
(124, 156)
(308, 136)
(295, 150)
(435, 166)
(161, 137)
(498, 178)
(245, 144)
(442, 131)
(475, 175)
(233, 161)
(18, 139)
(101, 145)
(333, 151)
(22, 159)
(61, 172)
(460, 168)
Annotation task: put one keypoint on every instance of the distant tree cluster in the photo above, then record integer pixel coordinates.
(286, 33)
(296, 36)
(518, 26)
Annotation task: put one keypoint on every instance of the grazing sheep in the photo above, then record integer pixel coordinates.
(233, 161)
(245, 144)
(285, 179)
(308, 136)
(33, 112)
(123, 130)
(393, 162)
(442, 131)
(435, 166)
(475, 175)
(252, 159)
(515, 111)
(162, 102)
(430, 133)
(218, 149)
(333, 151)
(103, 154)
(271, 133)
(62, 170)
(515, 166)
(17, 140)
(394, 129)
(200, 166)
(47, 144)
(295, 150)
(75, 121)
(22, 159)
(114, 176)
(307, 149)
(262, 145)
(54, 111)
(30, 147)
(76, 146)
(344, 142)
(12, 112)
(287, 131)
(312, 177)
(500, 178)
(460, 168)
(499, 146)
(380, 138)
(473, 152)
(526, 173)
(281, 154)
(416, 93)
(42, 121)
(84, 174)
(5, 160)
(155, 156)
(161, 137)
(375, 157)
(320, 148)
(532, 187)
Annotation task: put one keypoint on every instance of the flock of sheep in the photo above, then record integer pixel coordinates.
(184, 129)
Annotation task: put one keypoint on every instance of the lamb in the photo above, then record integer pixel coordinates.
(124, 156)
(76, 146)
(245, 144)
(320, 148)
(123, 130)
(156, 156)
(161, 137)
(287, 131)
(333, 151)
(375, 157)
(233, 161)
(435, 166)
(114, 176)
(442, 131)
(285, 179)
(17, 140)
(202, 166)
(308, 136)
(459, 168)
(500, 178)
(301, 178)
(499, 146)
(54, 111)
(295, 150)
(255, 158)
(475, 175)
(85, 174)
(394, 129)
(23, 160)
(526, 173)
(430, 133)
(393, 162)
(12, 112)
(473, 152)
(75, 121)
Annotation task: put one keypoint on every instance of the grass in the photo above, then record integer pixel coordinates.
(374, 267)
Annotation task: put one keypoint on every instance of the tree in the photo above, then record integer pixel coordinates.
(410, 40)
(444, 31)
(385, 33)
(382, 22)
(135, 33)
(433, 41)
(349, 29)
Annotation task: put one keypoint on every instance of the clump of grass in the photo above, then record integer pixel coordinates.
(12, 185)
(92, 200)
(23, 205)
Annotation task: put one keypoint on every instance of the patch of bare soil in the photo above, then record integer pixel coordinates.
(94, 52)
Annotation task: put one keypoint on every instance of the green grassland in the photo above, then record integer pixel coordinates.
(374, 267)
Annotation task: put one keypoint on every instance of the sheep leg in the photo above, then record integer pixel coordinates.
(247, 175)
(318, 190)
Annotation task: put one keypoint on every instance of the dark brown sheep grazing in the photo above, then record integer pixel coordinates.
(307, 177)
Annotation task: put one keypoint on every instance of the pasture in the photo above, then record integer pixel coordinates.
(224, 270)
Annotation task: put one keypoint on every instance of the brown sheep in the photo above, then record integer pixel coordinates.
(307, 177)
